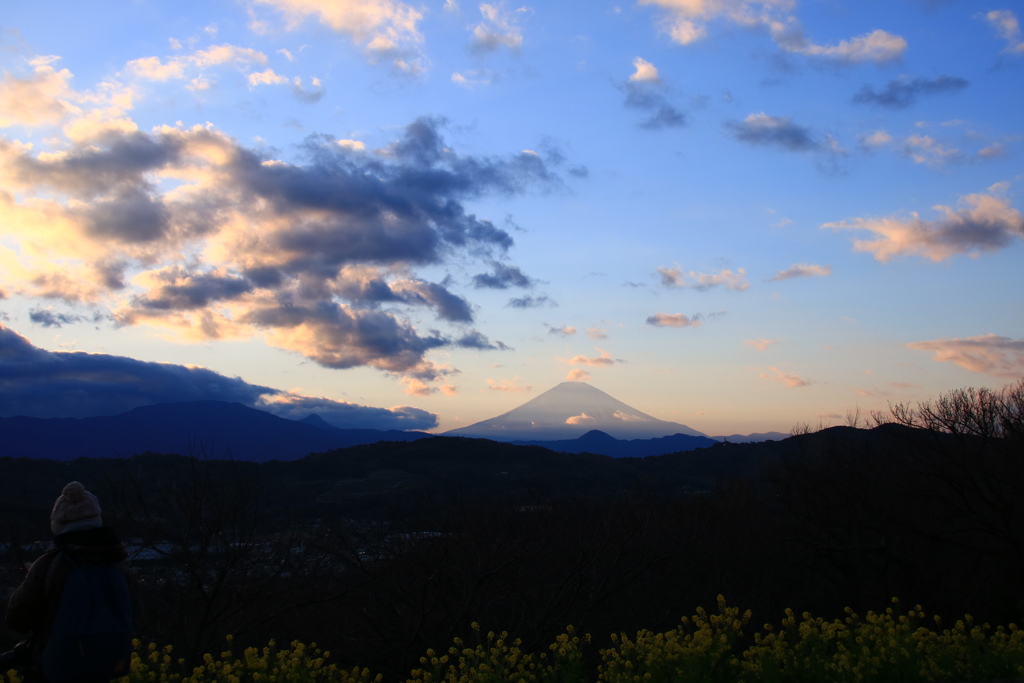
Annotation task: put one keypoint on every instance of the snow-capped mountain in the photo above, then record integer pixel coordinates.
(568, 411)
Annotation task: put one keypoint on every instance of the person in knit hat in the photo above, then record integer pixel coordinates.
(79, 533)
(75, 509)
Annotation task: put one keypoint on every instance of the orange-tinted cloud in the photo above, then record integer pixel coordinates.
(760, 344)
(801, 270)
(983, 222)
(789, 379)
(509, 386)
(989, 354)
(604, 358)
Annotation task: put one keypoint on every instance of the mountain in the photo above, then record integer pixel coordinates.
(202, 428)
(752, 438)
(569, 411)
(599, 443)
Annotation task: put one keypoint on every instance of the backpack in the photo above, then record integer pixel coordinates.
(91, 636)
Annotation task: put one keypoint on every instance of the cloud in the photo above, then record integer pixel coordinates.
(673, 320)
(989, 354)
(580, 419)
(645, 91)
(876, 46)
(563, 331)
(924, 149)
(41, 383)
(195, 66)
(43, 97)
(387, 29)
(983, 222)
(603, 359)
(673, 277)
(577, 375)
(875, 139)
(801, 270)
(498, 28)
(47, 317)
(790, 380)
(643, 71)
(476, 340)
(316, 256)
(508, 386)
(529, 302)
(686, 21)
(762, 129)
(597, 333)
(1008, 28)
(902, 93)
(472, 78)
(760, 344)
(502, 276)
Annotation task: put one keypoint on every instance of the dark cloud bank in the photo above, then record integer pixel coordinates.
(39, 383)
(325, 263)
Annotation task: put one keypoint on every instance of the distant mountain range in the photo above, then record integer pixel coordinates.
(570, 418)
(213, 429)
(568, 411)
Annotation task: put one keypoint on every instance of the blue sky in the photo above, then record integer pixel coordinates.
(739, 215)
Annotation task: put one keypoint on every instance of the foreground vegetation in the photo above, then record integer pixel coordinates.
(715, 647)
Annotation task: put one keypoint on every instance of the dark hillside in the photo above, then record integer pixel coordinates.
(380, 551)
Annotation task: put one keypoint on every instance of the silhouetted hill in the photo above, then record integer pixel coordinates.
(214, 429)
(600, 443)
(750, 438)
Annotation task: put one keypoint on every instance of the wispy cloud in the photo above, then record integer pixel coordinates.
(577, 375)
(387, 29)
(674, 277)
(760, 344)
(509, 386)
(687, 22)
(983, 222)
(1008, 28)
(903, 92)
(674, 320)
(529, 302)
(989, 354)
(563, 331)
(499, 27)
(604, 358)
(801, 270)
(789, 379)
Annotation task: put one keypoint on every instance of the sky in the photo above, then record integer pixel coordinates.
(738, 215)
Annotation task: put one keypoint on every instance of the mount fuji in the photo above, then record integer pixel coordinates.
(569, 410)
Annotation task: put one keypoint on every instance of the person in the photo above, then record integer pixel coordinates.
(80, 536)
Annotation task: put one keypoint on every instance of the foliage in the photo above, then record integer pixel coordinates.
(888, 646)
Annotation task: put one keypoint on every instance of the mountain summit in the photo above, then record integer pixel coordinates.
(568, 411)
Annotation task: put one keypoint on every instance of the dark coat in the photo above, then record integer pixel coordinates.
(33, 604)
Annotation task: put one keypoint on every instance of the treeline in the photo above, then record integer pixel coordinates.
(378, 553)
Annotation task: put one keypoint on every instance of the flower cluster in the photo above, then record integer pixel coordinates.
(880, 647)
(496, 659)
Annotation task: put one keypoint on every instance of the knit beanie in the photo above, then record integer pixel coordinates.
(76, 508)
